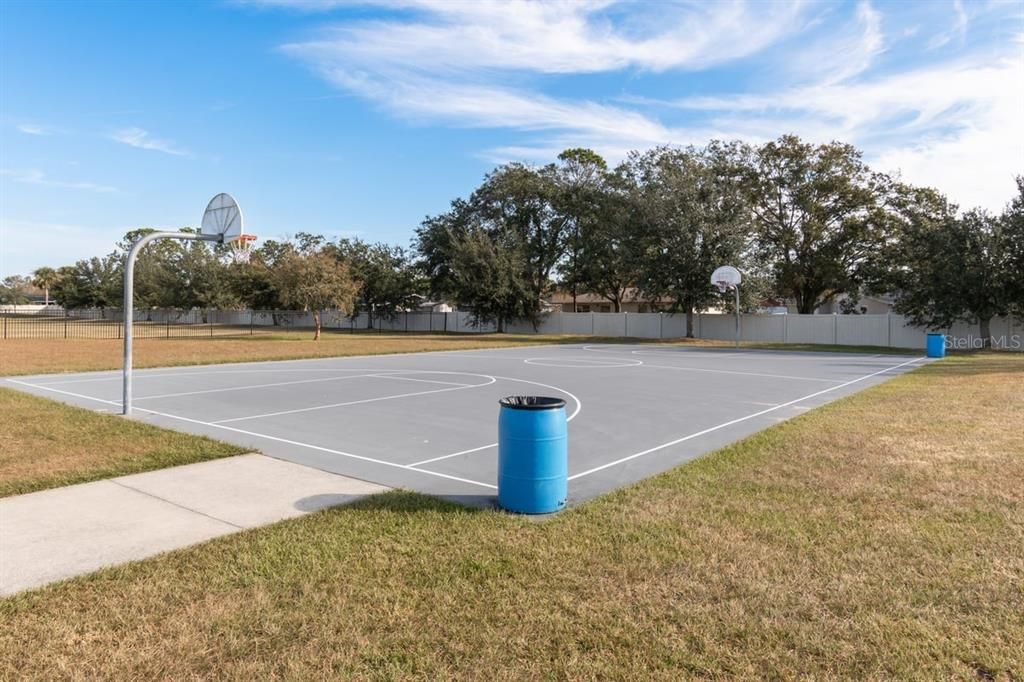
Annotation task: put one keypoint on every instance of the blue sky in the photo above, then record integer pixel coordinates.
(360, 118)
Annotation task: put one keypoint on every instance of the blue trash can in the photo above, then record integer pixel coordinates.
(533, 454)
(936, 346)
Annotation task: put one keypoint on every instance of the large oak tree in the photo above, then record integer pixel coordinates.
(818, 215)
(944, 268)
(695, 218)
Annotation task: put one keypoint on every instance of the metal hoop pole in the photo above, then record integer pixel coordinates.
(128, 311)
(737, 288)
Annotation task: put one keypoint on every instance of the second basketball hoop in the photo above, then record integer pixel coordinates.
(727, 277)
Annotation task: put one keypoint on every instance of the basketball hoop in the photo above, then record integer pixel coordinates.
(242, 247)
(724, 278)
(223, 219)
(222, 224)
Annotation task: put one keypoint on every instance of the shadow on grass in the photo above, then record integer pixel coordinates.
(401, 502)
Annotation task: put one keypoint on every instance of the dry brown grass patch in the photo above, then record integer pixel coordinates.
(37, 356)
(45, 444)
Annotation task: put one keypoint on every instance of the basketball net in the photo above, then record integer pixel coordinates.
(241, 248)
(722, 286)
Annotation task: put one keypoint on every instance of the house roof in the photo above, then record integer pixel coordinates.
(631, 295)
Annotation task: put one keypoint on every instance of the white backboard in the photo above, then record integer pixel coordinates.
(726, 275)
(223, 216)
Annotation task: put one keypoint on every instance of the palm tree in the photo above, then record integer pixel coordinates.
(44, 278)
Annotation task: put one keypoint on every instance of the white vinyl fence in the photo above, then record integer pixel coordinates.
(891, 331)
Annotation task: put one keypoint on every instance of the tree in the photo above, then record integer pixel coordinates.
(388, 283)
(91, 283)
(197, 274)
(157, 283)
(252, 283)
(508, 233)
(609, 244)
(818, 215)
(44, 278)
(514, 206)
(13, 290)
(579, 181)
(314, 281)
(487, 274)
(466, 263)
(1013, 230)
(943, 268)
(695, 218)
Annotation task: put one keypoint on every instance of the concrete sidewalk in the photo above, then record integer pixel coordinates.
(55, 534)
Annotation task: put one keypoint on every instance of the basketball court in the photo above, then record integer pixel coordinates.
(428, 421)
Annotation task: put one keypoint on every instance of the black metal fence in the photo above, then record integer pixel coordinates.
(55, 323)
(108, 323)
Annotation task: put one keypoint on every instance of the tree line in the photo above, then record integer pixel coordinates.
(806, 223)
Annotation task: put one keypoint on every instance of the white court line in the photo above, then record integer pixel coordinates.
(718, 371)
(737, 421)
(396, 375)
(408, 467)
(579, 406)
(746, 374)
(454, 454)
(460, 387)
(245, 388)
(590, 363)
(745, 353)
(148, 374)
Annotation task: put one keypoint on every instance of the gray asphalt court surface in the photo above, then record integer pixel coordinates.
(428, 421)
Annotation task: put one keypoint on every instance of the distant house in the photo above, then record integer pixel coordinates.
(774, 306)
(842, 304)
(632, 302)
(435, 307)
(866, 305)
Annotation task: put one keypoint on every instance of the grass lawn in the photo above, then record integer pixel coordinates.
(46, 444)
(832, 348)
(879, 536)
(38, 356)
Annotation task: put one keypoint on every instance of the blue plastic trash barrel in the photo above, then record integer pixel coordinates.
(533, 454)
(936, 345)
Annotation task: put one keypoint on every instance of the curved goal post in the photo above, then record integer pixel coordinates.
(222, 224)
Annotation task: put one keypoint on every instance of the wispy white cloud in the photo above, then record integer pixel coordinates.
(34, 129)
(958, 30)
(137, 137)
(842, 54)
(37, 177)
(570, 37)
(954, 124)
(445, 64)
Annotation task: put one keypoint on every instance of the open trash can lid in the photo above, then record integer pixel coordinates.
(531, 402)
